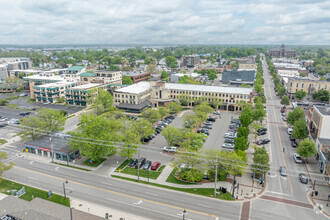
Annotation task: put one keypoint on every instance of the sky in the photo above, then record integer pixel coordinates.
(294, 22)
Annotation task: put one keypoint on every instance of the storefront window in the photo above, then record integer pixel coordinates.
(45, 153)
(64, 156)
(39, 152)
(58, 156)
(33, 151)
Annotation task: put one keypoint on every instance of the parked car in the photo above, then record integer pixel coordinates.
(146, 140)
(283, 171)
(3, 125)
(263, 141)
(284, 118)
(262, 133)
(155, 165)
(208, 123)
(170, 149)
(47, 102)
(230, 134)
(32, 108)
(297, 158)
(294, 144)
(146, 165)
(290, 130)
(216, 112)
(229, 141)
(2, 119)
(207, 126)
(204, 131)
(233, 126)
(303, 178)
(24, 113)
(23, 95)
(211, 119)
(292, 138)
(228, 146)
(133, 163)
(170, 117)
(261, 129)
(142, 160)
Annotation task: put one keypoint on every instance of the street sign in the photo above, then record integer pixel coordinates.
(20, 192)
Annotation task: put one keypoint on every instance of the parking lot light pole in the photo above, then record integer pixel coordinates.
(64, 188)
(138, 171)
(216, 177)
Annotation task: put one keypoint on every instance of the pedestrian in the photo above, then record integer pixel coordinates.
(283, 149)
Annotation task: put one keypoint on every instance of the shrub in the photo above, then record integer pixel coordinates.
(191, 175)
(222, 175)
(3, 102)
(63, 112)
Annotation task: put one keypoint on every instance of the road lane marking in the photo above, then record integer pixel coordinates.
(33, 178)
(279, 180)
(207, 206)
(114, 192)
(279, 137)
(106, 183)
(152, 194)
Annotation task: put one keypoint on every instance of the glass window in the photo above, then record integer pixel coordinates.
(45, 153)
(58, 156)
(39, 152)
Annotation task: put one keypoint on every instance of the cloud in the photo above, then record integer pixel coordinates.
(165, 21)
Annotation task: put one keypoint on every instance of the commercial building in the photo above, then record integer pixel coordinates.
(114, 77)
(318, 119)
(72, 73)
(306, 84)
(3, 72)
(282, 52)
(323, 157)
(80, 95)
(160, 94)
(44, 146)
(247, 65)
(51, 92)
(191, 61)
(13, 63)
(9, 88)
(239, 77)
(137, 76)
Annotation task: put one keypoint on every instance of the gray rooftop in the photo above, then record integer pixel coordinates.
(324, 110)
(133, 73)
(59, 143)
(247, 76)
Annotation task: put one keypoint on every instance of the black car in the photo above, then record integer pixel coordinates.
(146, 140)
(133, 163)
(170, 117)
(3, 125)
(292, 138)
(142, 160)
(229, 141)
(204, 131)
(263, 141)
(24, 113)
(262, 133)
(211, 119)
(146, 165)
(294, 144)
(261, 129)
(208, 123)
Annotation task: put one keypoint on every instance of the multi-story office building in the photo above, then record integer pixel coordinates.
(80, 95)
(114, 77)
(137, 76)
(3, 72)
(282, 52)
(72, 73)
(306, 84)
(191, 61)
(51, 91)
(239, 77)
(13, 63)
(160, 93)
(323, 157)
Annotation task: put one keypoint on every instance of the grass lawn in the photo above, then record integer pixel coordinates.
(172, 179)
(12, 106)
(78, 168)
(208, 192)
(123, 165)
(143, 173)
(2, 141)
(31, 192)
(95, 163)
(31, 101)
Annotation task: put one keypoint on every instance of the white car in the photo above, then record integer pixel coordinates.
(3, 119)
(229, 146)
(297, 158)
(170, 149)
(290, 130)
(216, 112)
(47, 102)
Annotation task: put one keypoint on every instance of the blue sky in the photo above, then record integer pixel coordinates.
(165, 21)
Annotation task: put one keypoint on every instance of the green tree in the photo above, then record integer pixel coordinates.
(184, 99)
(306, 148)
(3, 102)
(285, 100)
(244, 85)
(170, 134)
(204, 107)
(164, 74)
(143, 128)
(163, 112)
(4, 167)
(243, 132)
(241, 143)
(260, 160)
(232, 163)
(102, 102)
(130, 147)
(300, 129)
(171, 61)
(246, 116)
(32, 128)
(300, 94)
(147, 61)
(53, 120)
(322, 95)
(191, 121)
(258, 87)
(281, 91)
(212, 74)
(99, 135)
(126, 80)
(174, 107)
(295, 115)
(150, 114)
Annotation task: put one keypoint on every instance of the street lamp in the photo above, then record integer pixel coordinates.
(64, 188)
(184, 212)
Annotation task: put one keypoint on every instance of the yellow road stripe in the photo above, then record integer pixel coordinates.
(118, 193)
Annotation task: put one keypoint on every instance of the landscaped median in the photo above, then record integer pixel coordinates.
(31, 192)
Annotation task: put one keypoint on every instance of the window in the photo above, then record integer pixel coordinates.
(325, 86)
(302, 85)
(319, 86)
(297, 85)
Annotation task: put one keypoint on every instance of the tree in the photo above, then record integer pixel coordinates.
(4, 167)
(171, 61)
(204, 107)
(170, 134)
(3, 102)
(258, 114)
(147, 61)
(163, 111)
(300, 129)
(322, 95)
(258, 87)
(126, 80)
(32, 126)
(295, 115)
(241, 143)
(281, 91)
(151, 68)
(306, 148)
(212, 74)
(184, 99)
(232, 163)
(285, 100)
(260, 160)
(164, 74)
(150, 114)
(243, 132)
(99, 135)
(246, 116)
(190, 140)
(244, 85)
(102, 102)
(129, 148)
(52, 119)
(191, 121)
(174, 107)
(143, 128)
(300, 94)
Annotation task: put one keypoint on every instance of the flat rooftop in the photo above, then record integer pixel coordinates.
(87, 86)
(56, 84)
(135, 88)
(324, 110)
(59, 78)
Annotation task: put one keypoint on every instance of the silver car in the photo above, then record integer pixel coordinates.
(228, 146)
(297, 158)
(283, 171)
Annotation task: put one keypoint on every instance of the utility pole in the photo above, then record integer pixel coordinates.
(232, 195)
(51, 145)
(138, 167)
(216, 177)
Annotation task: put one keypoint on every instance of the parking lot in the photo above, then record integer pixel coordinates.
(22, 105)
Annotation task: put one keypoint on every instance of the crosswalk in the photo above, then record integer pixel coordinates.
(12, 153)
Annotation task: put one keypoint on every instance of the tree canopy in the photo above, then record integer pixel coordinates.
(126, 80)
(295, 115)
(300, 94)
(306, 148)
(4, 167)
(322, 95)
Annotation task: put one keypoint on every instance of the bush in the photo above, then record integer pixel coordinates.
(191, 175)
(222, 175)
(3, 102)
(63, 112)
(20, 89)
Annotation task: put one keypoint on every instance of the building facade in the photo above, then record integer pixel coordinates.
(318, 119)
(191, 61)
(82, 94)
(323, 157)
(308, 85)
(137, 76)
(51, 92)
(114, 77)
(282, 52)
(247, 65)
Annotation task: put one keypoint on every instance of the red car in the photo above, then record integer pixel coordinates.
(155, 165)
